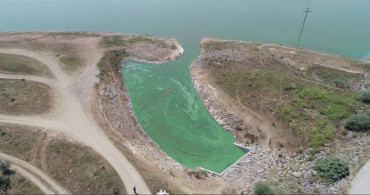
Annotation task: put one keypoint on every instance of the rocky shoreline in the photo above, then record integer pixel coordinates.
(285, 172)
(155, 165)
(220, 114)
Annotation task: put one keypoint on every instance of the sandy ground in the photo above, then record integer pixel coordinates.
(71, 115)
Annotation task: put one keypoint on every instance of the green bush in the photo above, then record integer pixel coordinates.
(358, 122)
(5, 167)
(116, 190)
(291, 87)
(5, 184)
(261, 188)
(365, 97)
(340, 83)
(332, 169)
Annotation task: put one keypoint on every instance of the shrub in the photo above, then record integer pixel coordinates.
(116, 190)
(358, 122)
(332, 169)
(261, 188)
(339, 83)
(365, 97)
(352, 108)
(5, 167)
(5, 184)
(291, 87)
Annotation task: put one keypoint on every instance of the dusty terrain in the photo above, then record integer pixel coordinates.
(90, 115)
(75, 167)
(72, 84)
(247, 87)
(91, 107)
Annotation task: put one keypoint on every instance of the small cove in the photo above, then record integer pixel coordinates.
(163, 97)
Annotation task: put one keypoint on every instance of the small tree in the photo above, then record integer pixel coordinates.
(365, 97)
(332, 169)
(358, 122)
(5, 184)
(261, 188)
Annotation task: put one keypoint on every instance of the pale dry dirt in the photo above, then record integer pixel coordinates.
(35, 175)
(71, 114)
(360, 184)
(100, 115)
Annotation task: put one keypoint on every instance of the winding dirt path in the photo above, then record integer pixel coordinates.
(35, 175)
(71, 113)
(33, 179)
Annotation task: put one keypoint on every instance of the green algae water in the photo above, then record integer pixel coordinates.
(172, 113)
(163, 97)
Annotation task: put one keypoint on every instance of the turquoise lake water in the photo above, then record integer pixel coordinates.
(163, 97)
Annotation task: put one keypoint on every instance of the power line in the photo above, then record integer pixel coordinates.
(304, 21)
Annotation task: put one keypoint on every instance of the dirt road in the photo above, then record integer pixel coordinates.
(361, 183)
(35, 175)
(71, 113)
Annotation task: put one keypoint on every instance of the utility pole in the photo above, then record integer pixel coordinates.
(304, 21)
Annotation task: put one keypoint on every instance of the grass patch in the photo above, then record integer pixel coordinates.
(71, 63)
(21, 185)
(291, 100)
(336, 78)
(50, 43)
(220, 45)
(148, 39)
(116, 40)
(81, 170)
(18, 140)
(17, 97)
(322, 133)
(110, 61)
(87, 174)
(22, 65)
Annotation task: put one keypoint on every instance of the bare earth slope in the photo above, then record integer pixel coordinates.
(288, 106)
(259, 91)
